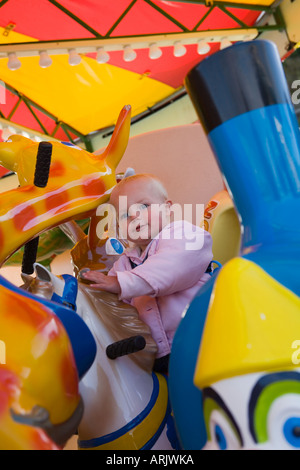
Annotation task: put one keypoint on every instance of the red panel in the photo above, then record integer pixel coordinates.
(8, 103)
(61, 135)
(44, 21)
(47, 122)
(25, 118)
(187, 14)
(141, 65)
(41, 20)
(247, 16)
(3, 170)
(143, 19)
(99, 14)
(217, 19)
(167, 69)
(176, 68)
(50, 124)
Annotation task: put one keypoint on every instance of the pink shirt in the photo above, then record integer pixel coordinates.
(162, 285)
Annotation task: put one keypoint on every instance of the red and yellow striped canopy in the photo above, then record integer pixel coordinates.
(88, 97)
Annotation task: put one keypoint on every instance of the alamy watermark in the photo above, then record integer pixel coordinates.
(140, 222)
(296, 354)
(2, 352)
(295, 96)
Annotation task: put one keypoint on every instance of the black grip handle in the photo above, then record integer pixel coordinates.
(125, 347)
(42, 167)
(41, 175)
(29, 255)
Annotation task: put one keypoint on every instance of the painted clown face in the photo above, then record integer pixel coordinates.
(254, 411)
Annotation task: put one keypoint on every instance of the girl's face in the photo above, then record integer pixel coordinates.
(142, 211)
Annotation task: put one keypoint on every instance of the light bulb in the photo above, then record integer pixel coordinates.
(203, 47)
(12, 130)
(225, 43)
(74, 57)
(13, 61)
(179, 49)
(102, 56)
(129, 54)
(154, 51)
(25, 134)
(45, 61)
(7, 132)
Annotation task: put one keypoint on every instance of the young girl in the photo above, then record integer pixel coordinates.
(167, 263)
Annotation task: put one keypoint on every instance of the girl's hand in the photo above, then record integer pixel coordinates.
(103, 282)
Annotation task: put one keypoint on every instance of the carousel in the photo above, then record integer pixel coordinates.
(205, 96)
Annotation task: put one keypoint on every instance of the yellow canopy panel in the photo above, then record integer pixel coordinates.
(88, 97)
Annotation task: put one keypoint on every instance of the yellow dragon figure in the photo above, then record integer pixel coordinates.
(39, 398)
(39, 392)
(78, 182)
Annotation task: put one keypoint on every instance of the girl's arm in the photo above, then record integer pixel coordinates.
(103, 282)
(179, 263)
(110, 283)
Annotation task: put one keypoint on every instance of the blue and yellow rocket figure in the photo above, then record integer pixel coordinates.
(248, 365)
(251, 307)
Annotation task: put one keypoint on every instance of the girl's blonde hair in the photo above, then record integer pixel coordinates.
(140, 176)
